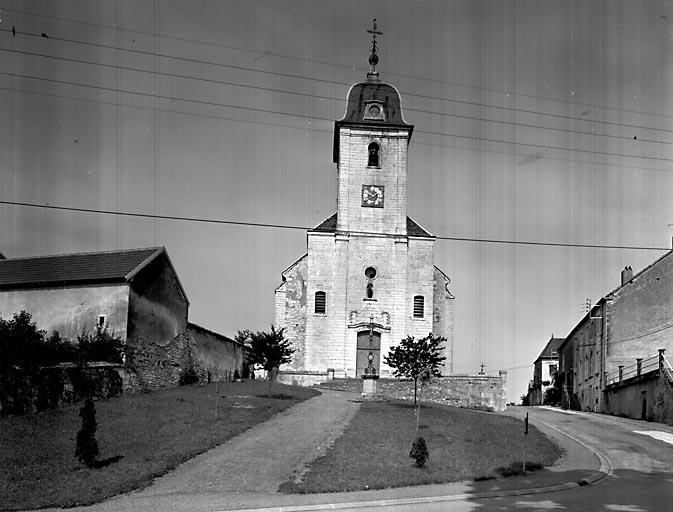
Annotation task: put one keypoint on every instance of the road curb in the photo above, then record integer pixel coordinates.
(605, 468)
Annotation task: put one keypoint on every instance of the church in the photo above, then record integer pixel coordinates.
(368, 278)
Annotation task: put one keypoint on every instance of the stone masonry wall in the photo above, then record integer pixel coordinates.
(150, 366)
(648, 397)
(391, 174)
(470, 391)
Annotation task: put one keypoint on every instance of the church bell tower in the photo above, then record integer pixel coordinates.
(370, 150)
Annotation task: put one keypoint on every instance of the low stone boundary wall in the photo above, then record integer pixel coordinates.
(65, 383)
(470, 391)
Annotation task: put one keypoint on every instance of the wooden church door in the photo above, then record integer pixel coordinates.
(363, 348)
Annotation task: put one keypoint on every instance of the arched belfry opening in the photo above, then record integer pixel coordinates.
(373, 159)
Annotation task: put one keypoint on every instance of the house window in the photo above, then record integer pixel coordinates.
(320, 302)
(373, 160)
(370, 272)
(552, 369)
(370, 291)
(100, 321)
(419, 306)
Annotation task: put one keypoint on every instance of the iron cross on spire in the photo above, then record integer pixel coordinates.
(373, 58)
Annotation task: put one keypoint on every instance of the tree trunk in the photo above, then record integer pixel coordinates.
(415, 389)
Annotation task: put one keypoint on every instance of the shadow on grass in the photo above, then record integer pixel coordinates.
(516, 469)
(106, 462)
(278, 396)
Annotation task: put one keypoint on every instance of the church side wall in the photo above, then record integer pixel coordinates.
(443, 317)
(420, 281)
(322, 351)
(294, 316)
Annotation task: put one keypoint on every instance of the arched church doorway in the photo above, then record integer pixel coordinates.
(363, 348)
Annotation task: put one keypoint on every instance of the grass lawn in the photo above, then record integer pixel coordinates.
(373, 452)
(144, 434)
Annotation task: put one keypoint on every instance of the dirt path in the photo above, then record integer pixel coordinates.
(255, 462)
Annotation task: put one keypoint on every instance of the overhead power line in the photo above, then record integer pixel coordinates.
(318, 130)
(305, 228)
(329, 98)
(268, 111)
(334, 64)
(345, 84)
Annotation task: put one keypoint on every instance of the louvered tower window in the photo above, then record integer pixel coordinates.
(419, 306)
(320, 299)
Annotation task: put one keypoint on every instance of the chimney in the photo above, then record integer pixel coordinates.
(627, 275)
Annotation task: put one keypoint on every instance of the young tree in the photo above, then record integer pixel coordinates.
(269, 349)
(417, 359)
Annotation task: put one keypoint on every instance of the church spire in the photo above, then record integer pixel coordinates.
(373, 75)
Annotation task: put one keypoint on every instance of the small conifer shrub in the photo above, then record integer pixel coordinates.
(419, 451)
(86, 450)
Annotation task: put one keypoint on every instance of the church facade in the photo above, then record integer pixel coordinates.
(368, 279)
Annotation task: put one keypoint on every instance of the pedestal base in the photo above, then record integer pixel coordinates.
(369, 386)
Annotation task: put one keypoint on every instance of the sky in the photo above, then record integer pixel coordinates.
(542, 122)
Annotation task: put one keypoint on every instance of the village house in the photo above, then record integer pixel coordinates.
(135, 294)
(614, 360)
(544, 371)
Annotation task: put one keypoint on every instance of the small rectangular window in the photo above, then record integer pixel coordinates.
(320, 299)
(419, 306)
(100, 322)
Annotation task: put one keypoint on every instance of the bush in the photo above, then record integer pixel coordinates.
(419, 451)
(86, 450)
(189, 377)
(100, 346)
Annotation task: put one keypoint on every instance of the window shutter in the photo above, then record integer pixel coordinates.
(419, 304)
(320, 299)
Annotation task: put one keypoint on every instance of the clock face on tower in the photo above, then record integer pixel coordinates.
(372, 196)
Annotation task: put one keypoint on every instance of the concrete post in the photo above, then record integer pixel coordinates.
(621, 371)
(639, 365)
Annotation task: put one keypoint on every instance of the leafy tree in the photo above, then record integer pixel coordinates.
(86, 449)
(417, 359)
(268, 349)
(100, 346)
(20, 360)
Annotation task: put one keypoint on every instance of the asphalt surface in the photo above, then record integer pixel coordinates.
(608, 464)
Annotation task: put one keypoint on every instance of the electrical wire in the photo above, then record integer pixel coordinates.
(333, 64)
(330, 98)
(304, 228)
(267, 111)
(300, 77)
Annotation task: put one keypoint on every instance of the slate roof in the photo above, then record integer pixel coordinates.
(364, 92)
(359, 96)
(550, 351)
(88, 267)
(330, 223)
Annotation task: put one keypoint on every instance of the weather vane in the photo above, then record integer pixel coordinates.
(373, 58)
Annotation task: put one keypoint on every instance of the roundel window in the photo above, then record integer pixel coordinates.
(370, 272)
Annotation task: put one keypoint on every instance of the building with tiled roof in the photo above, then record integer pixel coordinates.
(135, 294)
(368, 277)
